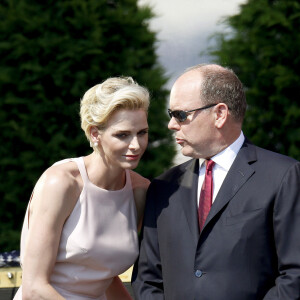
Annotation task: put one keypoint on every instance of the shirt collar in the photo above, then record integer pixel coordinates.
(226, 157)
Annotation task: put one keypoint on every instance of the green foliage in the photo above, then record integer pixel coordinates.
(262, 46)
(51, 53)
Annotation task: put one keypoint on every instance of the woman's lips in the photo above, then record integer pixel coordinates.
(132, 157)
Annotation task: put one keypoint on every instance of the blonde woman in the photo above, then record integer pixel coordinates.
(80, 228)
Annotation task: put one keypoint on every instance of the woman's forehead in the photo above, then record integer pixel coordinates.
(128, 118)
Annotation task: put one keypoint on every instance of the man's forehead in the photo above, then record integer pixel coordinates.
(186, 89)
(189, 80)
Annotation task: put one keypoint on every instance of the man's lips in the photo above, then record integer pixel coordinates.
(180, 141)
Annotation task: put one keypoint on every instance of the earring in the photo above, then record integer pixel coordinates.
(96, 144)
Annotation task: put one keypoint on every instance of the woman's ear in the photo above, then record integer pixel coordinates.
(221, 113)
(95, 136)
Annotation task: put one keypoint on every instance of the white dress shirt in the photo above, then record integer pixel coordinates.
(223, 162)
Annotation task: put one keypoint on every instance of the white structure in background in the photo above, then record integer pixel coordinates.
(184, 28)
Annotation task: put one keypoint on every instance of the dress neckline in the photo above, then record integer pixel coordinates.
(86, 179)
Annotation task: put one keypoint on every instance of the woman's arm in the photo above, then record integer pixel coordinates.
(117, 290)
(53, 200)
(139, 186)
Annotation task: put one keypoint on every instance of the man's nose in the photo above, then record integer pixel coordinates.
(173, 124)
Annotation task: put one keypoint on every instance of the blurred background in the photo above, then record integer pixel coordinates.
(53, 51)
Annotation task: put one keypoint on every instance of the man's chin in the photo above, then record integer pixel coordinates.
(187, 152)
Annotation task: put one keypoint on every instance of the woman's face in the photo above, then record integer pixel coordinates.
(125, 138)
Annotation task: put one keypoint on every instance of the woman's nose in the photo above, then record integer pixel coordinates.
(134, 143)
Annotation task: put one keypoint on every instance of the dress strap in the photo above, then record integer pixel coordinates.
(81, 167)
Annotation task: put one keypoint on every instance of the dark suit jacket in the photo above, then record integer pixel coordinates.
(249, 248)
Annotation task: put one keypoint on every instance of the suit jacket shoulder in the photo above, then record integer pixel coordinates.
(177, 171)
(266, 161)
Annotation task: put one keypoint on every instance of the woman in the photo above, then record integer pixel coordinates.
(80, 228)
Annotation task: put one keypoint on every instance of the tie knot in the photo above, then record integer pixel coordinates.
(209, 164)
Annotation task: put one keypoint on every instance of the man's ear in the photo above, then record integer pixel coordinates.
(221, 113)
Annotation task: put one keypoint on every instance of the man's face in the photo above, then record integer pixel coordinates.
(197, 134)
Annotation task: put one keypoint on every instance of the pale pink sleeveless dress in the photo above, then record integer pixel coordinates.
(99, 240)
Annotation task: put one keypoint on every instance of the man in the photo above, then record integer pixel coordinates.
(226, 224)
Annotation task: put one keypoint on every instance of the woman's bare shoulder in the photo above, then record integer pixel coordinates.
(65, 173)
(140, 185)
(59, 182)
(138, 181)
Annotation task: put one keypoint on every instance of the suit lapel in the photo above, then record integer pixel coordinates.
(187, 195)
(238, 174)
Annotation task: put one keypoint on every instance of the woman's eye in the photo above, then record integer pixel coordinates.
(143, 132)
(121, 135)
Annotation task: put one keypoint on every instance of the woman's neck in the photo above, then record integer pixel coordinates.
(103, 175)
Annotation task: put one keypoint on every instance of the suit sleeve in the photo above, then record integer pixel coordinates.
(286, 224)
(147, 281)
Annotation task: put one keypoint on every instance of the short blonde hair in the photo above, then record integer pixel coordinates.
(113, 94)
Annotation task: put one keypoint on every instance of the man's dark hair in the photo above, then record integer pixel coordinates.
(221, 85)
